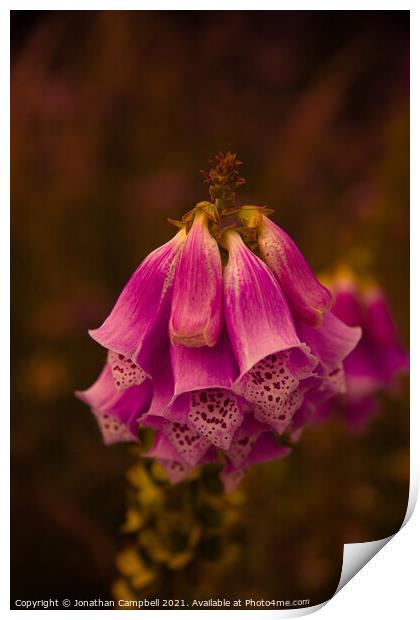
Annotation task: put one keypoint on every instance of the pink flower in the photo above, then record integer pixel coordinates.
(219, 361)
(273, 362)
(379, 358)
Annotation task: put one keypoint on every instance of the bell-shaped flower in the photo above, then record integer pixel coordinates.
(308, 299)
(138, 322)
(219, 361)
(382, 331)
(196, 315)
(193, 403)
(271, 358)
(116, 412)
(379, 357)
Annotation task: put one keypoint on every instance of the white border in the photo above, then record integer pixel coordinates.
(388, 585)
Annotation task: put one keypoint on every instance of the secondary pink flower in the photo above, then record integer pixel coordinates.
(196, 317)
(378, 359)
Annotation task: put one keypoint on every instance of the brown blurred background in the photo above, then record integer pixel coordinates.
(113, 115)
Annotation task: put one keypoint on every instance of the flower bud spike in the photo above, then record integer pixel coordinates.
(223, 179)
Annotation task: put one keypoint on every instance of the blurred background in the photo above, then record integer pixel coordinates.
(113, 116)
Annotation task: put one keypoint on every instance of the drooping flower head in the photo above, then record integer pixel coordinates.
(378, 359)
(221, 341)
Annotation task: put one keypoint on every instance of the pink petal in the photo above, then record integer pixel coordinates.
(196, 316)
(243, 441)
(273, 386)
(112, 430)
(266, 448)
(189, 444)
(279, 417)
(215, 414)
(380, 324)
(201, 376)
(332, 342)
(124, 371)
(306, 296)
(382, 330)
(163, 449)
(203, 367)
(195, 396)
(122, 407)
(140, 316)
(163, 383)
(347, 306)
(257, 316)
(364, 370)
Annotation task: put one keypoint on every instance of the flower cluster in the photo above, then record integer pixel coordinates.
(221, 341)
(379, 357)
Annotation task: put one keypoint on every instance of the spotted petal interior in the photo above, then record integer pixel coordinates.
(175, 470)
(189, 444)
(272, 387)
(111, 429)
(280, 418)
(215, 414)
(125, 372)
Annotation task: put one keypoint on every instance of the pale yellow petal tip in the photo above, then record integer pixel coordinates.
(192, 341)
(201, 213)
(252, 216)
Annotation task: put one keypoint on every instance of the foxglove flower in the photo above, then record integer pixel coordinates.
(308, 299)
(116, 412)
(379, 357)
(196, 316)
(272, 360)
(220, 360)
